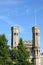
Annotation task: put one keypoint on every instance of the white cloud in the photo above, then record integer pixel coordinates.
(5, 19)
(15, 2)
(11, 9)
(11, 23)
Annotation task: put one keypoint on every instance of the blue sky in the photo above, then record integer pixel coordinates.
(23, 13)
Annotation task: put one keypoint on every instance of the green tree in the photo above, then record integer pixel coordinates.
(20, 55)
(4, 51)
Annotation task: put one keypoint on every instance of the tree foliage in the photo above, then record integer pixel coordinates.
(20, 54)
(4, 51)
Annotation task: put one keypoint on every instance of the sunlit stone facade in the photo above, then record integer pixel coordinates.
(32, 46)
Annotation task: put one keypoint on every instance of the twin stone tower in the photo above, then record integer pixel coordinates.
(33, 46)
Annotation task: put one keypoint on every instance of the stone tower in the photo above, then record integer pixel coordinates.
(14, 36)
(36, 45)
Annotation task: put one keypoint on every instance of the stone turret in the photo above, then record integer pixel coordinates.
(14, 36)
(36, 45)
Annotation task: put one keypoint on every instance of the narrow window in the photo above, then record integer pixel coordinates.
(37, 52)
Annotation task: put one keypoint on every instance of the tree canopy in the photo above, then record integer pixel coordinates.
(15, 56)
(20, 54)
(4, 51)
